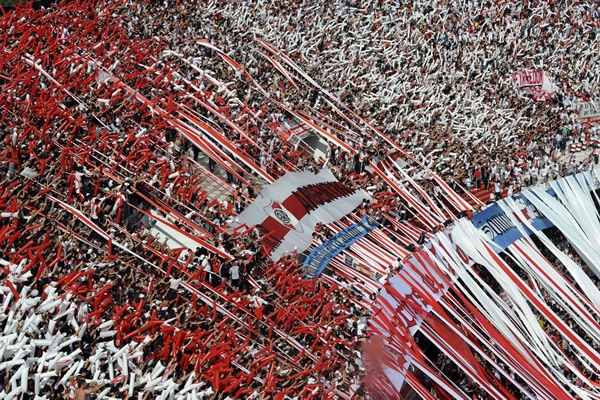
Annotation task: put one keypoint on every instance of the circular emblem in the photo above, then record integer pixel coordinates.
(281, 216)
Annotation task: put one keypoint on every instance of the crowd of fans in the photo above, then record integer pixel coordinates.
(81, 182)
(456, 119)
(109, 108)
(435, 77)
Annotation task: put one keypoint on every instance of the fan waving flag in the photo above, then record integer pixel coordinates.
(289, 208)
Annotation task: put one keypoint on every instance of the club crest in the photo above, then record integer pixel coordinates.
(285, 217)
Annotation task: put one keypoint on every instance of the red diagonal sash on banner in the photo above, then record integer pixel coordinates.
(302, 201)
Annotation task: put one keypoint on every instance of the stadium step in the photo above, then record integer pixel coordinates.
(482, 194)
(213, 183)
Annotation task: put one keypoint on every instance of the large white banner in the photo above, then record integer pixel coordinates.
(288, 209)
(588, 111)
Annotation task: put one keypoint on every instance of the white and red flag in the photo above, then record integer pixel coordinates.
(588, 111)
(288, 209)
(535, 82)
(528, 78)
